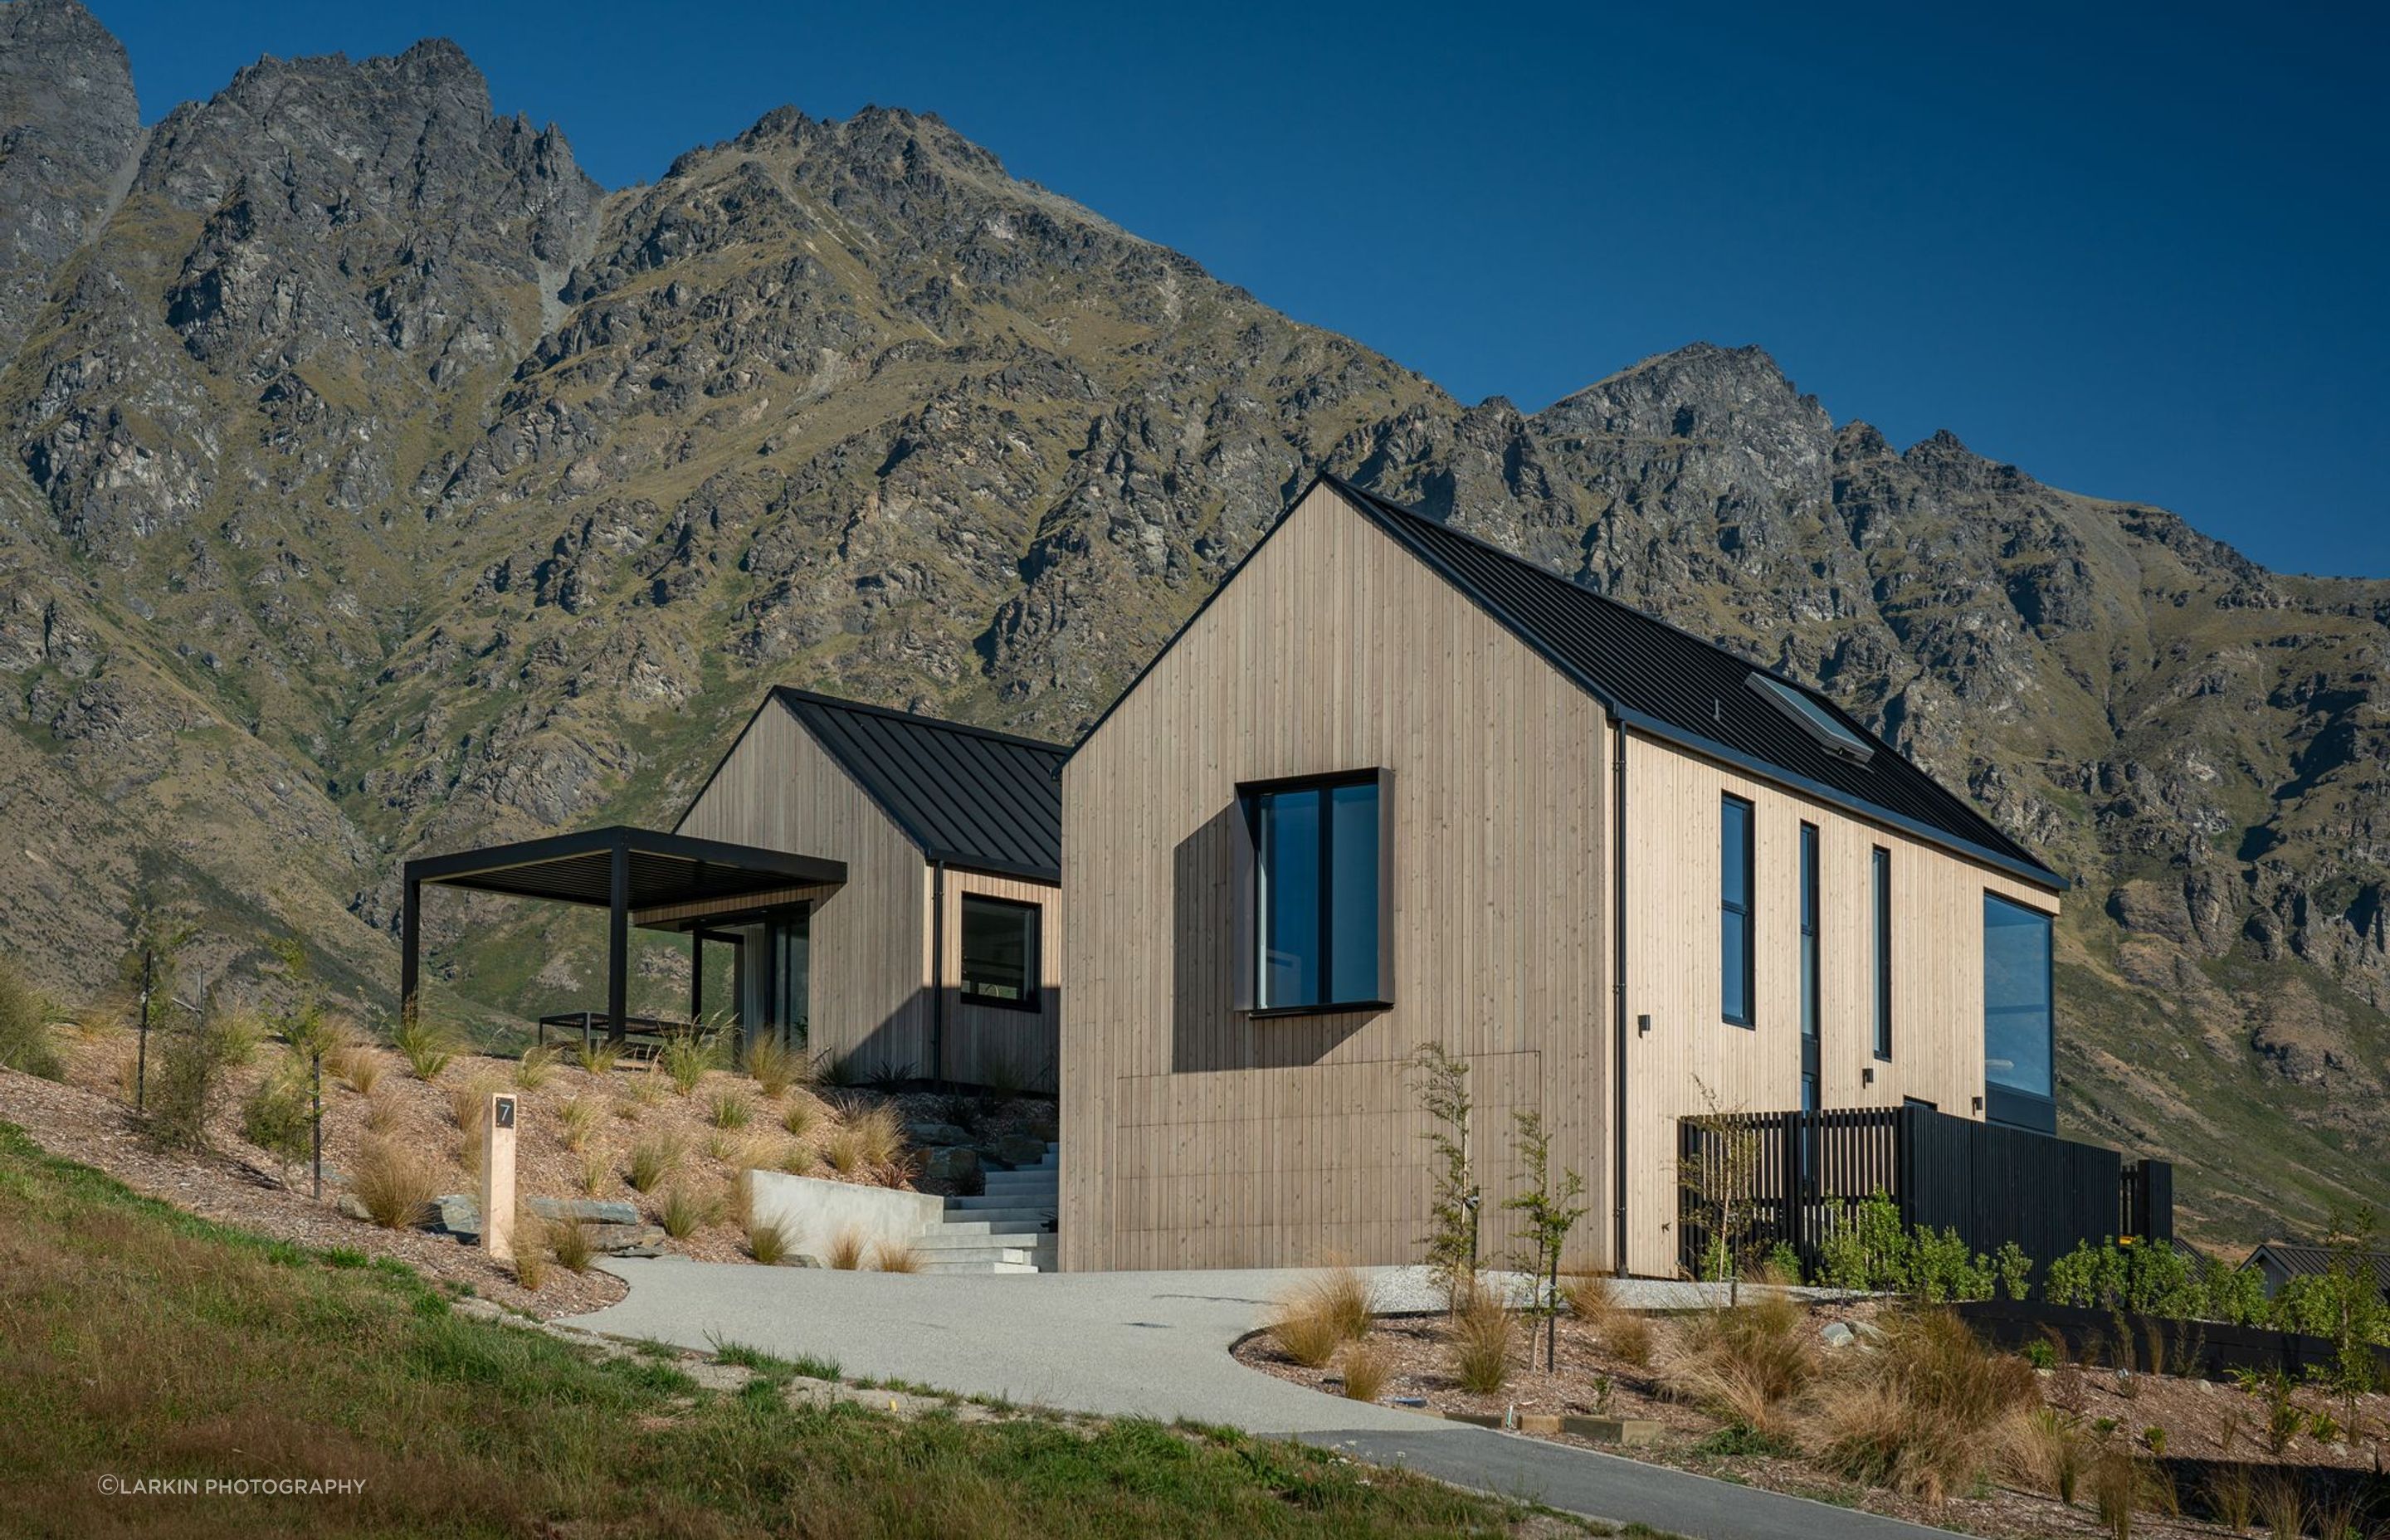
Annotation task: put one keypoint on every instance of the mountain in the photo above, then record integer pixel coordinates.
(377, 484)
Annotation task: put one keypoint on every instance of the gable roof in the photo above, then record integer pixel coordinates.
(2297, 1259)
(965, 795)
(1669, 684)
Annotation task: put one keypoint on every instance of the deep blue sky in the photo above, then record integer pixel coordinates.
(2141, 254)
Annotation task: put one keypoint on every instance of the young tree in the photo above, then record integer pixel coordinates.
(1720, 1182)
(1551, 1211)
(1441, 1082)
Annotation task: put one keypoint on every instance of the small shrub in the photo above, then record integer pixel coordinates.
(686, 1060)
(1781, 1266)
(1366, 1369)
(577, 1120)
(682, 1212)
(313, 1032)
(187, 1074)
(897, 1256)
(652, 1160)
(244, 1031)
(728, 1109)
(2014, 1270)
(533, 1068)
(597, 1057)
(426, 1048)
(1481, 1339)
(1744, 1363)
(570, 1240)
(846, 1250)
(26, 1043)
(395, 1185)
(773, 1067)
(767, 1244)
(278, 1117)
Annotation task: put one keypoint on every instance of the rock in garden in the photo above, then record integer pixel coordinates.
(935, 1134)
(952, 1165)
(1017, 1149)
(457, 1214)
(1838, 1335)
(616, 1240)
(594, 1210)
(354, 1206)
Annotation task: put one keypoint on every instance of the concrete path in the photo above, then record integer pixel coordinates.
(1156, 1344)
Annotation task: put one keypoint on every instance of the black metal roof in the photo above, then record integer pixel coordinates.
(1673, 684)
(664, 868)
(2297, 1258)
(965, 795)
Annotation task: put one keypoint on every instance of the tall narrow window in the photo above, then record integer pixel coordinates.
(1318, 879)
(1809, 986)
(999, 952)
(1882, 880)
(1735, 957)
(2017, 1016)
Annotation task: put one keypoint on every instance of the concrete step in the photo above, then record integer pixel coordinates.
(943, 1240)
(1006, 1198)
(985, 1221)
(1019, 1181)
(945, 1255)
(982, 1268)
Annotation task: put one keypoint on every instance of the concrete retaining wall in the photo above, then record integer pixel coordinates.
(812, 1212)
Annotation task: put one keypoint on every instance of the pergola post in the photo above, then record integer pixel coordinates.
(618, 943)
(697, 973)
(410, 946)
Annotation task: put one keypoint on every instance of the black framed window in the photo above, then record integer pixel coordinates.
(1737, 960)
(2018, 1015)
(1000, 937)
(1810, 994)
(1882, 868)
(1318, 892)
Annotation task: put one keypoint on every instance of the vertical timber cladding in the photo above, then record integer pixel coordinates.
(868, 944)
(989, 1045)
(1197, 1136)
(1673, 802)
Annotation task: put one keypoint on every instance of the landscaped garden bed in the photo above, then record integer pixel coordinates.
(1869, 1402)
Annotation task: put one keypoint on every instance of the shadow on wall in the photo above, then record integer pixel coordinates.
(985, 1045)
(1206, 1031)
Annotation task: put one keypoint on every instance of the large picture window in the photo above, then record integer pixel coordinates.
(1736, 964)
(2017, 1015)
(999, 952)
(1318, 893)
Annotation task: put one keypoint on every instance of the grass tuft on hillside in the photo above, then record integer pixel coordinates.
(137, 1341)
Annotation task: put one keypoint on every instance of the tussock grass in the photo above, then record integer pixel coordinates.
(802, 1115)
(728, 1109)
(767, 1244)
(1324, 1310)
(213, 1354)
(897, 1256)
(1480, 1344)
(628, 1109)
(846, 1250)
(533, 1069)
(773, 1068)
(1747, 1363)
(381, 1113)
(469, 1104)
(426, 1048)
(1924, 1412)
(597, 1170)
(1365, 1366)
(530, 1250)
(652, 1160)
(682, 1212)
(799, 1160)
(357, 1065)
(570, 1240)
(395, 1185)
(596, 1055)
(2046, 1450)
(842, 1151)
(686, 1060)
(576, 1120)
(880, 1135)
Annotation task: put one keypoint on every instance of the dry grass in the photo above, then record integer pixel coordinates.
(577, 1119)
(1924, 1412)
(469, 1104)
(728, 1109)
(1746, 1364)
(128, 1078)
(2045, 1450)
(382, 1114)
(686, 1060)
(842, 1151)
(357, 1065)
(530, 1250)
(1321, 1313)
(802, 1115)
(532, 1070)
(682, 1212)
(2123, 1485)
(628, 1109)
(879, 1134)
(767, 1244)
(1593, 1298)
(597, 1170)
(846, 1250)
(652, 1160)
(597, 1057)
(426, 1048)
(897, 1256)
(774, 1068)
(395, 1185)
(570, 1240)
(1365, 1366)
(799, 1160)
(1480, 1338)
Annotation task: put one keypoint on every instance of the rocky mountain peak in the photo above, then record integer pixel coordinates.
(69, 127)
(1697, 391)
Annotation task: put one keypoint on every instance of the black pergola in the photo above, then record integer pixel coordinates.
(619, 869)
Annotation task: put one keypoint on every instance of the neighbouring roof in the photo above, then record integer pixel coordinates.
(1673, 684)
(2298, 1259)
(965, 795)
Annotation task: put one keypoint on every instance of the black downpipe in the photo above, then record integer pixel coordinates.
(1618, 991)
(938, 972)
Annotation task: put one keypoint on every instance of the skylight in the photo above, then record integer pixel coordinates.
(1815, 719)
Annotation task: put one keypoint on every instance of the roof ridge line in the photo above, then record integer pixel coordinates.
(918, 719)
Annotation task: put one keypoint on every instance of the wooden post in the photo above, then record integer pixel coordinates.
(141, 1069)
(318, 1127)
(410, 948)
(499, 1175)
